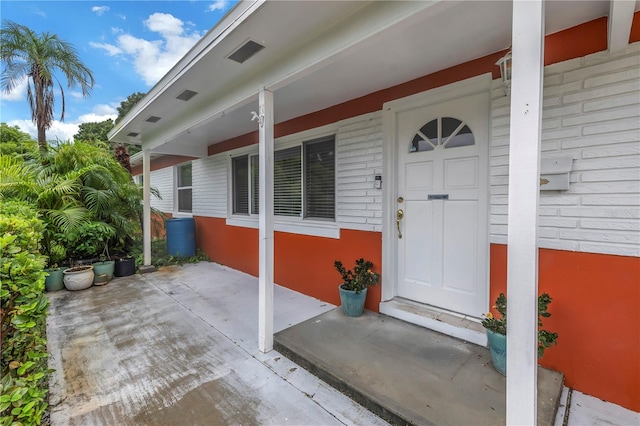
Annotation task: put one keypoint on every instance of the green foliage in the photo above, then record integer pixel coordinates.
(160, 257)
(360, 277)
(42, 59)
(127, 104)
(94, 132)
(89, 240)
(15, 142)
(499, 325)
(23, 384)
(74, 184)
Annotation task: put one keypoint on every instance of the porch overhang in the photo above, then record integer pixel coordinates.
(326, 54)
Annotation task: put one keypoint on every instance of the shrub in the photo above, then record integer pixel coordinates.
(23, 385)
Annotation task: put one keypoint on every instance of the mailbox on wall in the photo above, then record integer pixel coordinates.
(554, 173)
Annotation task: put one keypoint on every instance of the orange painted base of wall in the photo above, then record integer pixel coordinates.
(596, 313)
(158, 225)
(595, 308)
(302, 263)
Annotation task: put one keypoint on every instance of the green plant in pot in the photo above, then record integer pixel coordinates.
(353, 290)
(496, 328)
(55, 277)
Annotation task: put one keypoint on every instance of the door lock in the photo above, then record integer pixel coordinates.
(399, 216)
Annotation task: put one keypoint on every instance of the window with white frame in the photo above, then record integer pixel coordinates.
(183, 187)
(304, 181)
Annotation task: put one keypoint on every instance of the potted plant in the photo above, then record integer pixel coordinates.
(55, 278)
(353, 290)
(55, 254)
(125, 266)
(497, 331)
(103, 269)
(78, 277)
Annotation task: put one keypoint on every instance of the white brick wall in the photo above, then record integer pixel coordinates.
(359, 159)
(592, 113)
(210, 186)
(162, 180)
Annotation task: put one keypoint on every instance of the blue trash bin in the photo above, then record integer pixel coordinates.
(181, 236)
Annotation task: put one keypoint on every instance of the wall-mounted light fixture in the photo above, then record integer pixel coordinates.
(505, 72)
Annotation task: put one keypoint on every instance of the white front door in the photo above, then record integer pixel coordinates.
(442, 186)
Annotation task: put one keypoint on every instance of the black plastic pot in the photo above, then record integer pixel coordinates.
(124, 267)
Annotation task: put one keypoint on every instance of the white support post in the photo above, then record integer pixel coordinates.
(620, 22)
(146, 211)
(524, 182)
(265, 220)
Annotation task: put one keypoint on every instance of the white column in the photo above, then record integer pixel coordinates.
(524, 182)
(620, 22)
(146, 211)
(265, 220)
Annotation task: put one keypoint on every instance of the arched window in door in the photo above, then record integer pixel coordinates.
(444, 132)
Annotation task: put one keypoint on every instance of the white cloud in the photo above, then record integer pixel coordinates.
(101, 112)
(76, 95)
(153, 58)
(165, 24)
(64, 131)
(116, 30)
(110, 48)
(57, 131)
(218, 5)
(100, 10)
(19, 93)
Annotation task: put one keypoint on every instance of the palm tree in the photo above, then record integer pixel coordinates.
(37, 57)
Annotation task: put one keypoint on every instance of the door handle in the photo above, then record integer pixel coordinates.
(399, 216)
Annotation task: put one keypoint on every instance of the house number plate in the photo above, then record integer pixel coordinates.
(438, 197)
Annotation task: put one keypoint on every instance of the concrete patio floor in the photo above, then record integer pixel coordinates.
(179, 346)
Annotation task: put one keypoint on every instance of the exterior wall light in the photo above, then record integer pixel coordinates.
(505, 72)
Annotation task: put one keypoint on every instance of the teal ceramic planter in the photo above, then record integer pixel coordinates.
(498, 349)
(102, 269)
(352, 302)
(55, 280)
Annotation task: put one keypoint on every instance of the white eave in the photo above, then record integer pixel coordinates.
(318, 54)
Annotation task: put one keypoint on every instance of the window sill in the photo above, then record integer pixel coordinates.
(181, 214)
(315, 229)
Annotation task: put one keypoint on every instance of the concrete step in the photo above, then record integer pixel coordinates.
(407, 374)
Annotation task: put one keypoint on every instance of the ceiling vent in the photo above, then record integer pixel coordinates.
(132, 134)
(186, 95)
(153, 119)
(246, 51)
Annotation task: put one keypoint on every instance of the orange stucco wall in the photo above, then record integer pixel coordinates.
(596, 313)
(302, 263)
(158, 229)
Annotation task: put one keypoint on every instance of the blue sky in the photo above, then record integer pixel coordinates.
(128, 45)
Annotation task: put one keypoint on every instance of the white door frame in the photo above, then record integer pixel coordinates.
(471, 86)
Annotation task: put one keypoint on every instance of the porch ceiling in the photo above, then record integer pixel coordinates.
(318, 54)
